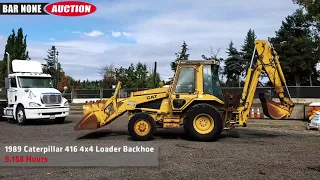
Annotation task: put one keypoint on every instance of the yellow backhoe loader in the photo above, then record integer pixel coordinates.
(194, 100)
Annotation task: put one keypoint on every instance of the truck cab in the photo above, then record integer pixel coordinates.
(31, 95)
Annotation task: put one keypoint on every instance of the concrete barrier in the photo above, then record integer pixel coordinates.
(305, 101)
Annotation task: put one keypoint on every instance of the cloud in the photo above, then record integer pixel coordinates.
(75, 32)
(94, 33)
(116, 34)
(159, 28)
(127, 34)
(52, 39)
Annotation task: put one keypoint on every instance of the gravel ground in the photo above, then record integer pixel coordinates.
(264, 150)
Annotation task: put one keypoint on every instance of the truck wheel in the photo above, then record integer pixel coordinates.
(203, 122)
(21, 116)
(59, 120)
(141, 127)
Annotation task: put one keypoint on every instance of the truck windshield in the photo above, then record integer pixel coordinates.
(35, 82)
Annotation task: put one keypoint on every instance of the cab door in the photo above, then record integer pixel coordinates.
(185, 89)
(12, 90)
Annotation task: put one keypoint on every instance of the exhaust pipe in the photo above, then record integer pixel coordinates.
(8, 63)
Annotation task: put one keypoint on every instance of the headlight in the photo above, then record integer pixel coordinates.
(66, 103)
(33, 104)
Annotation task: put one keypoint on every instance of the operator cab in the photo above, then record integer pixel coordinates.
(208, 81)
(193, 78)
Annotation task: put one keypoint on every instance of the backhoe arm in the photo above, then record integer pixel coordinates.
(269, 62)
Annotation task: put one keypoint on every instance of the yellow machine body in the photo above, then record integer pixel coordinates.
(194, 100)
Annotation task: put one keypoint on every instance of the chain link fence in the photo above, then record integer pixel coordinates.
(295, 92)
(101, 93)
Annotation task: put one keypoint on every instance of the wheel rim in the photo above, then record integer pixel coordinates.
(142, 127)
(20, 116)
(203, 123)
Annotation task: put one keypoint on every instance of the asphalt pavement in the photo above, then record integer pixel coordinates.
(265, 149)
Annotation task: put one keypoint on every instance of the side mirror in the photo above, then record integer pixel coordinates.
(6, 83)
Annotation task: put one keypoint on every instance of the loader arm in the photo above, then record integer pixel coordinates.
(100, 113)
(269, 62)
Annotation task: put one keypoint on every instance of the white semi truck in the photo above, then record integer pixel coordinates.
(31, 95)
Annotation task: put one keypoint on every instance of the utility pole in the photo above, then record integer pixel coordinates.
(155, 75)
(57, 68)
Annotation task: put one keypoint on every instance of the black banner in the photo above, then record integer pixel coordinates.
(23, 9)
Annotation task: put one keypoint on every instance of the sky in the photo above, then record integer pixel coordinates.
(121, 32)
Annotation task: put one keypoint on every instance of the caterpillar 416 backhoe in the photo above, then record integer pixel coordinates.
(194, 100)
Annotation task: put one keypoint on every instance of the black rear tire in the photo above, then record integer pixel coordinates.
(145, 120)
(212, 114)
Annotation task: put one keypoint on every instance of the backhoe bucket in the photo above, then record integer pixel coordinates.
(272, 109)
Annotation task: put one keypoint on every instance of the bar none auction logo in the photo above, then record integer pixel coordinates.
(62, 8)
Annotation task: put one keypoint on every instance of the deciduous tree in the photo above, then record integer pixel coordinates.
(63, 81)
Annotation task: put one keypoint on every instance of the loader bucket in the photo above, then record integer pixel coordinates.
(271, 108)
(91, 116)
(100, 113)
(88, 122)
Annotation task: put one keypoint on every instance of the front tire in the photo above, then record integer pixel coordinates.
(21, 116)
(141, 127)
(203, 122)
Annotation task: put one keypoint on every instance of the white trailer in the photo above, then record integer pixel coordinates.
(31, 95)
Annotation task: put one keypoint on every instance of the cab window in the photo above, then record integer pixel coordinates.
(13, 82)
(211, 82)
(186, 81)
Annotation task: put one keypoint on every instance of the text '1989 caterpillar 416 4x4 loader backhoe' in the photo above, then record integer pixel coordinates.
(194, 100)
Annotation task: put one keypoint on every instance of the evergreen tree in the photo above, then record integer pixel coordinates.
(312, 6)
(151, 78)
(51, 64)
(247, 49)
(183, 55)
(233, 66)
(297, 48)
(16, 46)
(21, 46)
(131, 77)
(141, 74)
